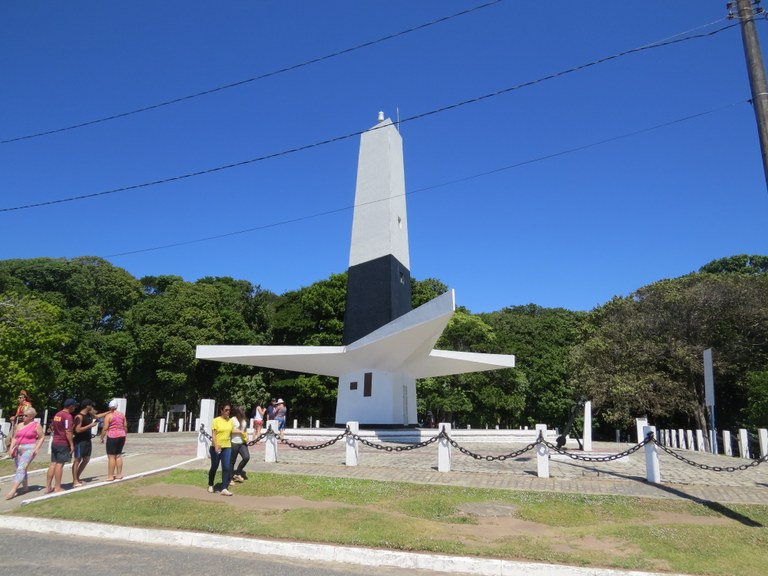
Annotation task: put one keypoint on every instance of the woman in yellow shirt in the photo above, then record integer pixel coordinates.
(221, 450)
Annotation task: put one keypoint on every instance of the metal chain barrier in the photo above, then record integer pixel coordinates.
(690, 462)
(609, 458)
(205, 434)
(489, 458)
(330, 442)
(395, 448)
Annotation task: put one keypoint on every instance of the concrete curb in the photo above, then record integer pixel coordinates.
(307, 551)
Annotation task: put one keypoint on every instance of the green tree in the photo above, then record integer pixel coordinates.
(642, 355)
(166, 327)
(541, 340)
(31, 337)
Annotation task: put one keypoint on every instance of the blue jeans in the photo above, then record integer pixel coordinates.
(225, 457)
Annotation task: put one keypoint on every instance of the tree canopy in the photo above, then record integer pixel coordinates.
(82, 327)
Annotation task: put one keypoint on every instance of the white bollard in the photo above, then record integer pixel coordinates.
(181, 424)
(712, 435)
(317, 423)
(681, 436)
(618, 436)
(639, 424)
(700, 441)
(727, 443)
(588, 426)
(270, 448)
(207, 413)
(444, 449)
(689, 439)
(542, 453)
(161, 426)
(652, 471)
(743, 443)
(353, 450)
(141, 426)
(762, 433)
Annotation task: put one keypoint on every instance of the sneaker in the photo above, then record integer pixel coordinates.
(226, 492)
(237, 478)
(210, 489)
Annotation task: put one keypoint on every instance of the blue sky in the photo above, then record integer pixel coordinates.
(564, 192)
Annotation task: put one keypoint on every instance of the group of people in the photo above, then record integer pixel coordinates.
(229, 439)
(71, 436)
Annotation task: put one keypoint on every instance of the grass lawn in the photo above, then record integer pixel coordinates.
(584, 530)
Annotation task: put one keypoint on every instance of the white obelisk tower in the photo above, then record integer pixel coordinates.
(387, 346)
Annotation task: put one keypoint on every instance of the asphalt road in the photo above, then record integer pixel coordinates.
(29, 554)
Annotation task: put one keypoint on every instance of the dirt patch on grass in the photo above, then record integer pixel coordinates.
(241, 502)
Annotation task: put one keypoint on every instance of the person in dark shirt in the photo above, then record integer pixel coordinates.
(62, 445)
(84, 423)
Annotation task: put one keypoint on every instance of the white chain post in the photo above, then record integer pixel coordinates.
(652, 471)
(542, 452)
(353, 450)
(444, 449)
(270, 448)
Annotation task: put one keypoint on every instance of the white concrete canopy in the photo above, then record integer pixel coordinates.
(403, 345)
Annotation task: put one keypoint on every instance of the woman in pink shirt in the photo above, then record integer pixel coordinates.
(25, 446)
(115, 429)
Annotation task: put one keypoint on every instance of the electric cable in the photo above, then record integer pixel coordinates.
(359, 132)
(431, 187)
(255, 78)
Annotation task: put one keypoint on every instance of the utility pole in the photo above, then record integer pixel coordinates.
(745, 12)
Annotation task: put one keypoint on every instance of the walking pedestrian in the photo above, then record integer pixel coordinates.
(239, 443)
(85, 421)
(24, 447)
(221, 450)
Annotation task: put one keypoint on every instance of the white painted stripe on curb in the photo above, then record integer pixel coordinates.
(104, 482)
(305, 551)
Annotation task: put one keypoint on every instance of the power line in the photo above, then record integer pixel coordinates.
(432, 187)
(255, 78)
(359, 132)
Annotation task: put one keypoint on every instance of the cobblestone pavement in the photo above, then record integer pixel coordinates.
(624, 476)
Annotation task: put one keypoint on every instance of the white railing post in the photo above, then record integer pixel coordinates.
(444, 448)
(762, 433)
(700, 441)
(270, 448)
(542, 452)
(588, 426)
(681, 435)
(353, 450)
(652, 471)
(727, 443)
(743, 443)
(639, 423)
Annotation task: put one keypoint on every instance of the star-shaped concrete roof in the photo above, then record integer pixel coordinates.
(404, 345)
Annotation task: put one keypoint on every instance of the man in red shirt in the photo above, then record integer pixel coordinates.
(62, 445)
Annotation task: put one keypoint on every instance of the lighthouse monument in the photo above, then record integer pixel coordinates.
(387, 346)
